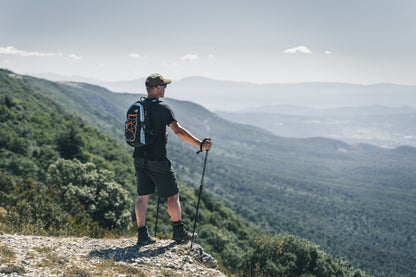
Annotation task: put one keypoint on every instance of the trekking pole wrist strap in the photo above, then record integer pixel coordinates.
(202, 143)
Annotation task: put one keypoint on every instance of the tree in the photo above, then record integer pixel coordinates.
(104, 200)
(70, 144)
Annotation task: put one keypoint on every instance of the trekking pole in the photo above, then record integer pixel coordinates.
(200, 191)
(157, 214)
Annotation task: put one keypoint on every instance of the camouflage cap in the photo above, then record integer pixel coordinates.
(156, 79)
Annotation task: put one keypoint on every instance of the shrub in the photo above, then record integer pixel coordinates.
(103, 199)
(292, 256)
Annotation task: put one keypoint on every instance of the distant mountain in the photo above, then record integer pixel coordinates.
(356, 201)
(57, 78)
(130, 86)
(340, 111)
(233, 96)
(382, 126)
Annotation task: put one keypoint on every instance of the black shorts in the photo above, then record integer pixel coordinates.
(158, 174)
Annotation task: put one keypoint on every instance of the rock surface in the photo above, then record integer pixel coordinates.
(52, 256)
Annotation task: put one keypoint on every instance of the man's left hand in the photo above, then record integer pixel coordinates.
(207, 145)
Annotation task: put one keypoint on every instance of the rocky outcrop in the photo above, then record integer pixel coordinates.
(53, 256)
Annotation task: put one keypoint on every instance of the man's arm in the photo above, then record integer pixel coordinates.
(188, 137)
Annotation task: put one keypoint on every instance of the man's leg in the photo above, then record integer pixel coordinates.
(143, 237)
(140, 209)
(174, 207)
(145, 187)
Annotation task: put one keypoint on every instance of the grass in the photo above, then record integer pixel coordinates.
(75, 271)
(52, 259)
(110, 265)
(12, 268)
(43, 249)
(8, 256)
(7, 252)
(168, 273)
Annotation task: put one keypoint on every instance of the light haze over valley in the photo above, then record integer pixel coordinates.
(311, 106)
(308, 54)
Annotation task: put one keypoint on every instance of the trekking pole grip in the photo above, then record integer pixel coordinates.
(202, 143)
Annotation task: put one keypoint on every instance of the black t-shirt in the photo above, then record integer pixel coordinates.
(161, 116)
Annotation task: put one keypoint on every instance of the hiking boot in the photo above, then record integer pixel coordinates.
(180, 235)
(143, 237)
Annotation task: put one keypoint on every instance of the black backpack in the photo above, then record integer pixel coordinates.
(137, 129)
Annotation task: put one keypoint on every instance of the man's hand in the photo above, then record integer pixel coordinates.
(207, 144)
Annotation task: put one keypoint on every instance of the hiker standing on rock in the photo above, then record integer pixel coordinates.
(153, 169)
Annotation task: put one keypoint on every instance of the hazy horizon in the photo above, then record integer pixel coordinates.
(76, 78)
(262, 42)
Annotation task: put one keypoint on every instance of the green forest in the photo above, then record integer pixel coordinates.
(61, 176)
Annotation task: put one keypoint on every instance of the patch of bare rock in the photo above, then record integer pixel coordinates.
(68, 256)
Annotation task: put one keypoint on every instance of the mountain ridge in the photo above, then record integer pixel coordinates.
(234, 95)
(330, 175)
(309, 187)
(74, 78)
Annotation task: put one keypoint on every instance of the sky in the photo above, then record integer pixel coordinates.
(356, 41)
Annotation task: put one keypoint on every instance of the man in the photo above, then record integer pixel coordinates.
(153, 169)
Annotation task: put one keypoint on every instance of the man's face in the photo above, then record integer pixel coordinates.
(161, 90)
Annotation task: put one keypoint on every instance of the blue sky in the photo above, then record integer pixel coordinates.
(357, 41)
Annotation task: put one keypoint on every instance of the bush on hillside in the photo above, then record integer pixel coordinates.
(79, 200)
(29, 207)
(103, 199)
(291, 256)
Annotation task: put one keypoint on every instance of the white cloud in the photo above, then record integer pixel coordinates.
(74, 57)
(327, 52)
(11, 50)
(189, 57)
(211, 56)
(298, 50)
(135, 55)
(169, 64)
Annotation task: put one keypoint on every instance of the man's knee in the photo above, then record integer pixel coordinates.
(174, 197)
(142, 199)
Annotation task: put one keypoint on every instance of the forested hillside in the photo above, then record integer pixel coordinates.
(60, 176)
(355, 201)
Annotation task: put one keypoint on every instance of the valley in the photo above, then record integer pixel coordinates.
(354, 200)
